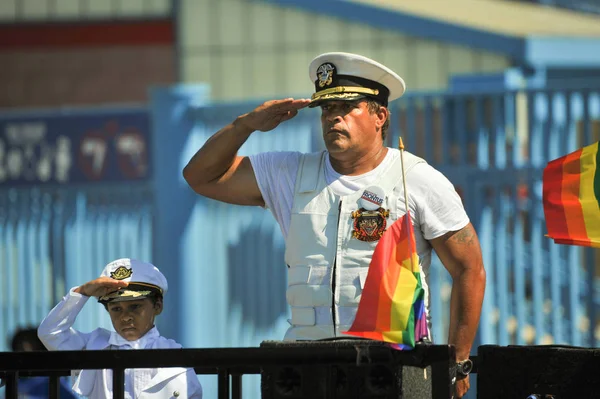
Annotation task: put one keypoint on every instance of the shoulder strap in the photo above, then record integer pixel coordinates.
(308, 171)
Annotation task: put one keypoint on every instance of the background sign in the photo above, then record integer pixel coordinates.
(80, 147)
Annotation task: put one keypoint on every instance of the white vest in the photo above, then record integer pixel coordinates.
(325, 262)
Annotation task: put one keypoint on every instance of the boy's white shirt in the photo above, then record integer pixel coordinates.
(56, 333)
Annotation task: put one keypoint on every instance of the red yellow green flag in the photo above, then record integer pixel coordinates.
(392, 307)
(571, 197)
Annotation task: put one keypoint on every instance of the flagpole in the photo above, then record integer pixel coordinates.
(408, 225)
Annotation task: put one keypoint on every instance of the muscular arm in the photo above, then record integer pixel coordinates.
(217, 171)
(460, 253)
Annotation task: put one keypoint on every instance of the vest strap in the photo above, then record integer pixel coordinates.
(309, 171)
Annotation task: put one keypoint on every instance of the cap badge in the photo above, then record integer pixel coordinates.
(369, 225)
(121, 273)
(325, 74)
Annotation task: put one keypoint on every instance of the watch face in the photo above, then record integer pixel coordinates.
(465, 367)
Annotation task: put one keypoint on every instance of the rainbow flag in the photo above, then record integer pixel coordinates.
(392, 306)
(571, 197)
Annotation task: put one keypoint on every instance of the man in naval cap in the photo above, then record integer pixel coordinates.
(315, 199)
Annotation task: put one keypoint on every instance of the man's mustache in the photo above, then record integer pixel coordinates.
(332, 128)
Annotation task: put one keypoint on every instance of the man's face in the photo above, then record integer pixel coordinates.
(348, 126)
(133, 319)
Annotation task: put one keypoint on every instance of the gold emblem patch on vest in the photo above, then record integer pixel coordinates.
(369, 225)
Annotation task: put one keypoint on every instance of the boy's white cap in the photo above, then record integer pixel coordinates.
(345, 76)
(144, 280)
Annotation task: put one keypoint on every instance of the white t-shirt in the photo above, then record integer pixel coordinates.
(434, 203)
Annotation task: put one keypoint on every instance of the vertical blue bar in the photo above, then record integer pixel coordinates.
(488, 324)
(253, 253)
(435, 301)
(558, 108)
(587, 134)
(556, 262)
(446, 114)
(23, 299)
(569, 140)
(499, 128)
(56, 248)
(45, 258)
(132, 232)
(574, 296)
(265, 295)
(510, 106)
(100, 238)
(537, 280)
(411, 127)
(428, 127)
(536, 144)
(146, 232)
(4, 282)
(112, 239)
(393, 130)
(12, 276)
(483, 133)
(124, 244)
(519, 273)
(34, 264)
(549, 140)
(502, 210)
(460, 126)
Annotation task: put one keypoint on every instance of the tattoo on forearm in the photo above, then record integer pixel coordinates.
(465, 236)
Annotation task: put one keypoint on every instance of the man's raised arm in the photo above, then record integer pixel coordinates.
(217, 171)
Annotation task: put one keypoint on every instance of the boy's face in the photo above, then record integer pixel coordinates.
(133, 319)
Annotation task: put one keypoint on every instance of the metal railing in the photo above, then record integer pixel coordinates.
(229, 364)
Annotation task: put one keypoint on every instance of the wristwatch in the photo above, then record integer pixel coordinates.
(463, 368)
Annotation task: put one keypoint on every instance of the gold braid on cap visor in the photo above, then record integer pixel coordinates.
(343, 90)
(156, 287)
(124, 292)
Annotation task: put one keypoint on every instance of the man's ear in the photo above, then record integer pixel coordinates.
(158, 306)
(382, 115)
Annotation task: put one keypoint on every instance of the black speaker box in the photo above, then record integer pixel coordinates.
(538, 372)
(405, 375)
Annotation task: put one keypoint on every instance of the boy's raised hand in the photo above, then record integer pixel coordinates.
(100, 286)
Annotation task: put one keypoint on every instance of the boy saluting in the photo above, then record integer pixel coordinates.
(132, 292)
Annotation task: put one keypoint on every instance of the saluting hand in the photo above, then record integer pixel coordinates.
(270, 114)
(100, 286)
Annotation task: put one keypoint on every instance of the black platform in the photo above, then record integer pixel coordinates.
(378, 372)
(548, 371)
